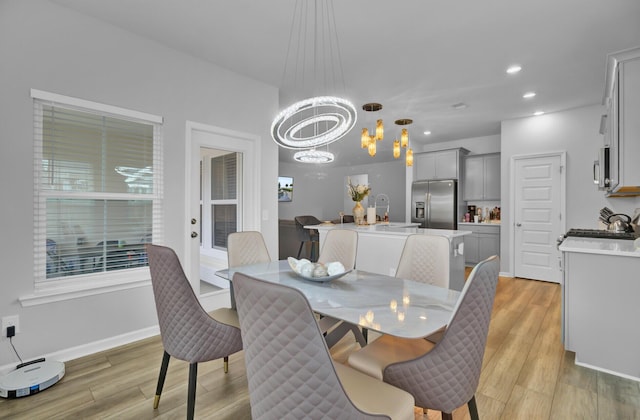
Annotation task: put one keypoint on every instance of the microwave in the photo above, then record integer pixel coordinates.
(601, 170)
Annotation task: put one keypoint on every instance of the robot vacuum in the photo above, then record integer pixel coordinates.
(30, 378)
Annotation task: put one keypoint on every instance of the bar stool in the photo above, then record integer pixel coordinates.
(307, 235)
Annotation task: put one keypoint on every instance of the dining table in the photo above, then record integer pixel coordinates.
(377, 302)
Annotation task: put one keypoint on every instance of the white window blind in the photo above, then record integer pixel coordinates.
(98, 187)
(224, 204)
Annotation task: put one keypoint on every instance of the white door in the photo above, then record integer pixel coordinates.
(202, 137)
(538, 209)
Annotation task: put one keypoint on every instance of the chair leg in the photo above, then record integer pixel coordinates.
(163, 373)
(191, 396)
(300, 250)
(473, 408)
(226, 364)
(447, 416)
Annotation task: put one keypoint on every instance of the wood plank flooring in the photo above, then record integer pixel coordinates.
(526, 375)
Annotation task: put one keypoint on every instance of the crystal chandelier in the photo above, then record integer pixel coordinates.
(313, 156)
(319, 119)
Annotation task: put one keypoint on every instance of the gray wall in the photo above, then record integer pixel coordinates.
(576, 132)
(320, 190)
(51, 48)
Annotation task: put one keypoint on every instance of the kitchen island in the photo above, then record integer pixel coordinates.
(380, 246)
(600, 294)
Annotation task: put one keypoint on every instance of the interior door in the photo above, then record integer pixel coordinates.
(538, 221)
(199, 137)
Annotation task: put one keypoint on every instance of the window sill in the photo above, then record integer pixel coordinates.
(60, 290)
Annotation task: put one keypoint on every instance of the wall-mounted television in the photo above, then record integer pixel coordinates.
(285, 188)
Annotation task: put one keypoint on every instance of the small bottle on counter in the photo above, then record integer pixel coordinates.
(386, 216)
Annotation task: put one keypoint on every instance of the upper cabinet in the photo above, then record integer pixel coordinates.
(443, 164)
(481, 177)
(622, 127)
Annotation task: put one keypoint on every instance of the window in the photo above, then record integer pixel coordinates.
(219, 194)
(97, 186)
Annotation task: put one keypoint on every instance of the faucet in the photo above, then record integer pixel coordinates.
(383, 198)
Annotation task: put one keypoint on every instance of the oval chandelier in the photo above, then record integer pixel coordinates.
(313, 51)
(313, 156)
(313, 122)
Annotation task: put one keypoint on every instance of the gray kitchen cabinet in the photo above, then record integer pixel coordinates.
(600, 300)
(481, 177)
(622, 128)
(443, 164)
(483, 242)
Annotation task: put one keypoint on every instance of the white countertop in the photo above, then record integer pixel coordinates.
(392, 228)
(619, 247)
(480, 224)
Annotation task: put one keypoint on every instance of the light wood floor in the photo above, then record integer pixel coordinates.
(526, 375)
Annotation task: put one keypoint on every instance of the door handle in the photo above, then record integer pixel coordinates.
(518, 224)
(194, 234)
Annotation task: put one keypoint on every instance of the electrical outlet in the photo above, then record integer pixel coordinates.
(8, 321)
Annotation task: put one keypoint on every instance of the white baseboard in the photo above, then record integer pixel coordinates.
(210, 301)
(610, 372)
(93, 347)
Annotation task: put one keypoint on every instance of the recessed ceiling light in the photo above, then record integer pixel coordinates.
(529, 95)
(514, 69)
(459, 105)
(426, 133)
(538, 113)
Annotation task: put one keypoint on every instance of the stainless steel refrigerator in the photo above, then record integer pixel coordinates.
(434, 204)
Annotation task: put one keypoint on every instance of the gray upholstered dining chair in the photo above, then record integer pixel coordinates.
(425, 258)
(307, 235)
(244, 248)
(443, 376)
(188, 332)
(340, 245)
(289, 368)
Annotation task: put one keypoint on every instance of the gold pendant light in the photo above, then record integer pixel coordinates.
(366, 139)
(404, 142)
(409, 157)
(404, 138)
(372, 145)
(379, 130)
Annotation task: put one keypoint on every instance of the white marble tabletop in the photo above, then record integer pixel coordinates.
(389, 305)
(620, 247)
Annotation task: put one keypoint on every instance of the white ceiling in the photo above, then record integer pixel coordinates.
(416, 57)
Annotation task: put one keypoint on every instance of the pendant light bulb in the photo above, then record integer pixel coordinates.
(364, 139)
(396, 149)
(379, 130)
(404, 138)
(372, 146)
(409, 157)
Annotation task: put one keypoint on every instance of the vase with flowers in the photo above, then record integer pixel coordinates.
(357, 193)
